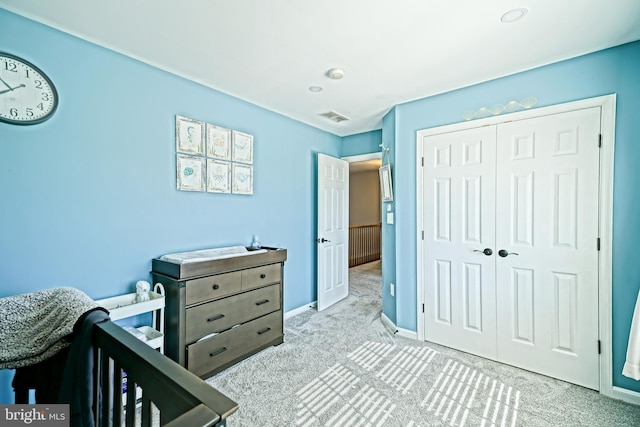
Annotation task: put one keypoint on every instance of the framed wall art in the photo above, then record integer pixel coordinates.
(242, 147)
(218, 142)
(218, 176)
(190, 136)
(242, 179)
(190, 173)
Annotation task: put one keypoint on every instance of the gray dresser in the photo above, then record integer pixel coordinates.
(219, 312)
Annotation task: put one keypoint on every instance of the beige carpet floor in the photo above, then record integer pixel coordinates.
(344, 367)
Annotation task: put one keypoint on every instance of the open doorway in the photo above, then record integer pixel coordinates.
(365, 237)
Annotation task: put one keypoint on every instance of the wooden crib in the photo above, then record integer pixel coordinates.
(159, 391)
(61, 331)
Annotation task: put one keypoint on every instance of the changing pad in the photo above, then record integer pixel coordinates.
(209, 254)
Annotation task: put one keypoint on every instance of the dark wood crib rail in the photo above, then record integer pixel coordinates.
(181, 398)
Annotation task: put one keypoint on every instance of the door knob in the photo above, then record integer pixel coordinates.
(322, 240)
(503, 253)
(486, 251)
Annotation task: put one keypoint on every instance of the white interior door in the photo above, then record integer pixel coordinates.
(332, 231)
(459, 187)
(528, 191)
(547, 211)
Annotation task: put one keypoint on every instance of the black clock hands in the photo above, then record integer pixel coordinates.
(10, 88)
(5, 83)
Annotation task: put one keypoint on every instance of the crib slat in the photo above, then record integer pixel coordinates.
(146, 411)
(131, 403)
(117, 395)
(106, 375)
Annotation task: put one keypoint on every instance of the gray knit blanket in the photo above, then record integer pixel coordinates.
(33, 326)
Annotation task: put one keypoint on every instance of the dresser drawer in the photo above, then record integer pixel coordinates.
(205, 356)
(207, 288)
(220, 315)
(260, 276)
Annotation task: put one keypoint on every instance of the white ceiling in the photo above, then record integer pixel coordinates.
(269, 52)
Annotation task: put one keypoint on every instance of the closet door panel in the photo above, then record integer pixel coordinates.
(459, 209)
(547, 216)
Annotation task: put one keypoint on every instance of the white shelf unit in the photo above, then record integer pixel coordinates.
(123, 306)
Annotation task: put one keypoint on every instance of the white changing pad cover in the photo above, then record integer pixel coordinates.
(209, 254)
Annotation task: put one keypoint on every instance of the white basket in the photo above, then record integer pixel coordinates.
(154, 338)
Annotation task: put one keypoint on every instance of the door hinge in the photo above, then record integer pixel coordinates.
(423, 162)
(599, 347)
(422, 234)
(423, 308)
(600, 140)
(598, 243)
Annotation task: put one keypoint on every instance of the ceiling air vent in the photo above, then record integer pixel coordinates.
(334, 117)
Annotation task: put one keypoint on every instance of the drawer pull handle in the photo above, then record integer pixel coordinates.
(263, 331)
(263, 276)
(264, 301)
(214, 318)
(217, 352)
(216, 287)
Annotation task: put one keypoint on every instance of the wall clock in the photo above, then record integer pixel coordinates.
(27, 95)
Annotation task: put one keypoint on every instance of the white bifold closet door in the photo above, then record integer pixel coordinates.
(511, 228)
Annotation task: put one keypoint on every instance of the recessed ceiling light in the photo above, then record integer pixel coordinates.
(335, 73)
(514, 14)
(315, 89)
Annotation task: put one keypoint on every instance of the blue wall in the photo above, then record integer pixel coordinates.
(389, 230)
(361, 143)
(615, 70)
(89, 197)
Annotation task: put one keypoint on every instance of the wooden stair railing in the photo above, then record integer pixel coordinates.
(364, 244)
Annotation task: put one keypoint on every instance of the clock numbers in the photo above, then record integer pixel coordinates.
(10, 66)
(27, 96)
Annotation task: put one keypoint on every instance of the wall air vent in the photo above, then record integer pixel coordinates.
(334, 117)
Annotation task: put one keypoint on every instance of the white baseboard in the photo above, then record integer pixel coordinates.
(405, 333)
(299, 310)
(388, 322)
(625, 395)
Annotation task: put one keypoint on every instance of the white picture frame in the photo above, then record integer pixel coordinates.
(190, 136)
(218, 142)
(190, 173)
(218, 176)
(242, 179)
(242, 150)
(386, 184)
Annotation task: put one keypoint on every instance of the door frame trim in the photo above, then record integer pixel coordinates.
(363, 157)
(607, 103)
